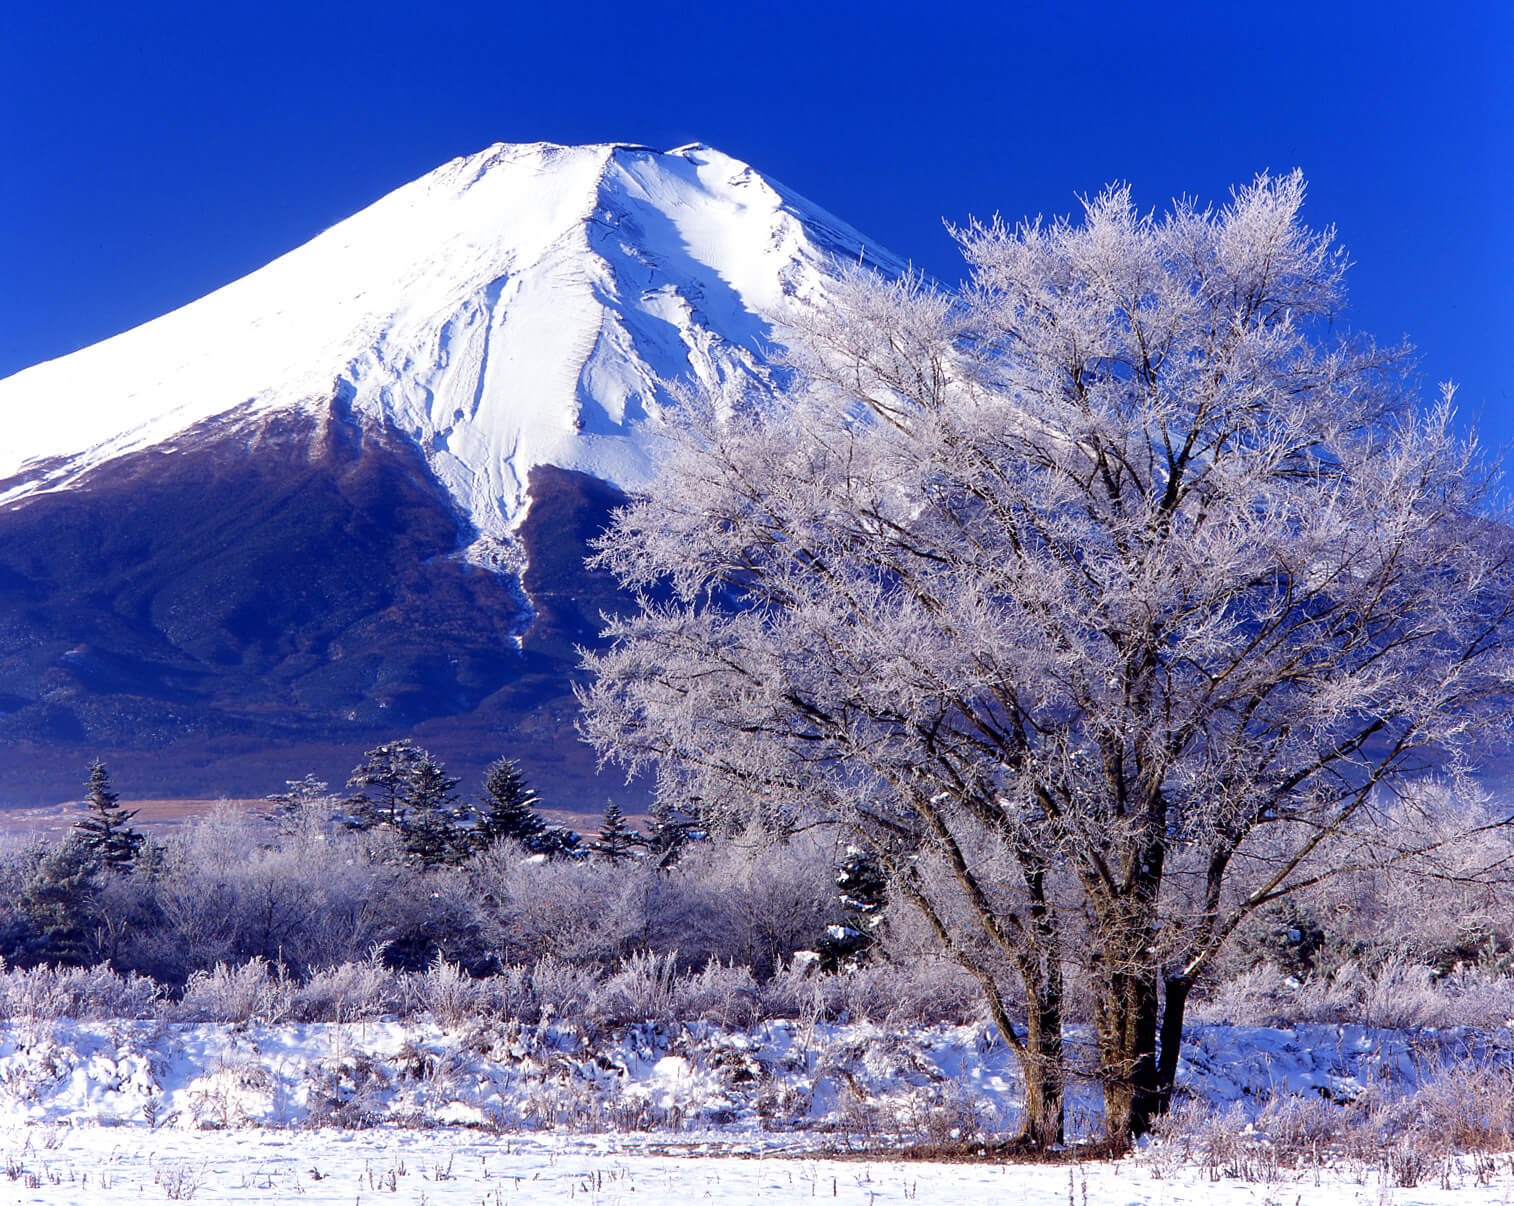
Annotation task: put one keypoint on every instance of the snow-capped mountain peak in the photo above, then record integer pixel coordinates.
(243, 537)
(517, 307)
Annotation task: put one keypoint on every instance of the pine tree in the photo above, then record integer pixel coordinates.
(381, 785)
(615, 841)
(863, 887)
(59, 901)
(434, 826)
(557, 841)
(668, 834)
(105, 836)
(509, 808)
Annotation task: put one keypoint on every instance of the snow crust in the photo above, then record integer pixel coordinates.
(517, 307)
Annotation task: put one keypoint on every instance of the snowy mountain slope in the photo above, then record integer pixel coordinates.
(517, 307)
(242, 540)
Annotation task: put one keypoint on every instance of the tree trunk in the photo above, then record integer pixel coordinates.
(1042, 1063)
(1173, 1009)
(1128, 1055)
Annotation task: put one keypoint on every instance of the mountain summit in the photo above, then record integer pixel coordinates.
(348, 495)
(517, 307)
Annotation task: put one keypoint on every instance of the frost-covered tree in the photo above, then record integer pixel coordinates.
(304, 804)
(1104, 602)
(58, 900)
(105, 835)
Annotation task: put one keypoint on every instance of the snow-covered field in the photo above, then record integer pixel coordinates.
(442, 1167)
(503, 1113)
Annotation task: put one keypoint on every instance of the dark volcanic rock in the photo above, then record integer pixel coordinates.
(218, 615)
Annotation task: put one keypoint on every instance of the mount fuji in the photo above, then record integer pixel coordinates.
(348, 496)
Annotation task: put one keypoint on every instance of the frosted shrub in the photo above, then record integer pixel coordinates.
(349, 992)
(560, 990)
(797, 990)
(923, 992)
(1477, 998)
(77, 992)
(512, 994)
(642, 990)
(1467, 1106)
(1301, 1126)
(448, 995)
(744, 902)
(1260, 996)
(1397, 994)
(245, 993)
(723, 993)
(582, 912)
(927, 992)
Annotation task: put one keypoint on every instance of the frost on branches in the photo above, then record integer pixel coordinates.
(1107, 602)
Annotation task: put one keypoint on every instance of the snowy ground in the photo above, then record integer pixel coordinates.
(502, 1113)
(442, 1167)
(926, 1084)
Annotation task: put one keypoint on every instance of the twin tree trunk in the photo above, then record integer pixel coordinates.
(1140, 1030)
(1138, 1014)
(1140, 1035)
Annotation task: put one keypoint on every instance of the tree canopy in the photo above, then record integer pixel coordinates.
(1106, 601)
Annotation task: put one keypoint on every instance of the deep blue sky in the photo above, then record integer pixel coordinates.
(154, 151)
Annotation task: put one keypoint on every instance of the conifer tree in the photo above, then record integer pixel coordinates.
(557, 841)
(863, 888)
(381, 785)
(862, 882)
(509, 808)
(59, 901)
(615, 840)
(668, 834)
(105, 835)
(434, 825)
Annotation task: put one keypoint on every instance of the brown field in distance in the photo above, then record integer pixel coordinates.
(158, 816)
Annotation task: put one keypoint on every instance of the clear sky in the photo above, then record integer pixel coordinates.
(154, 150)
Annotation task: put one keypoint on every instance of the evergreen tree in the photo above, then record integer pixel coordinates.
(668, 834)
(105, 835)
(615, 840)
(434, 825)
(58, 901)
(863, 887)
(509, 808)
(557, 841)
(381, 785)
